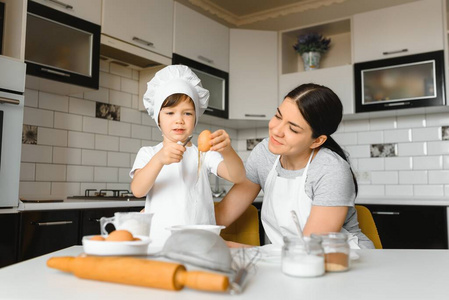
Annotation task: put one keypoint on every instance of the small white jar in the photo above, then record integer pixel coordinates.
(302, 258)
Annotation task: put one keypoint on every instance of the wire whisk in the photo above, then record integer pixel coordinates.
(244, 262)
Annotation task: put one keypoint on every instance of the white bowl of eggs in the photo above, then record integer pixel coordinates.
(212, 228)
(118, 242)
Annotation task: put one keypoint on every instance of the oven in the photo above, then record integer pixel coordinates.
(12, 85)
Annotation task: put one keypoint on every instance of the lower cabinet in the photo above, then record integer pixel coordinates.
(9, 239)
(410, 226)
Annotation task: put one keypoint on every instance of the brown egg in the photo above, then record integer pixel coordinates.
(204, 141)
(136, 239)
(119, 236)
(97, 238)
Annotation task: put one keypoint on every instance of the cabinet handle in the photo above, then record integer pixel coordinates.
(9, 101)
(397, 104)
(209, 109)
(203, 58)
(394, 52)
(55, 72)
(139, 40)
(51, 223)
(94, 220)
(386, 213)
(255, 115)
(66, 6)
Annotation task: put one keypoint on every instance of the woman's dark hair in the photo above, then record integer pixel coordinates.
(173, 100)
(323, 111)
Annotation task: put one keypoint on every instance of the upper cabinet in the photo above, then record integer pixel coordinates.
(147, 24)
(253, 76)
(200, 38)
(411, 28)
(86, 10)
(14, 28)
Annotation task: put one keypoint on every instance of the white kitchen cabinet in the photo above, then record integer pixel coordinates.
(14, 29)
(253, 78)
(86, 10)
(339, 79)
(200, 38)
(145, 23)
(411, 28)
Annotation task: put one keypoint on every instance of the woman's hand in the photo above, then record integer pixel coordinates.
(221, 142)
(170, 153)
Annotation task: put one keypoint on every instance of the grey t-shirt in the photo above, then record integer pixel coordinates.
(329, 182)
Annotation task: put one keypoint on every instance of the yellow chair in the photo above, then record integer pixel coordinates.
(367, 225)
(245, 229)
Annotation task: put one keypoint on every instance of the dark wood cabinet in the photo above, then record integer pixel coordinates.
(9, 239)
(410, 226)
(47, 231)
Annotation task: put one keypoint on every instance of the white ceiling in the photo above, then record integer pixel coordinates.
(282, 14)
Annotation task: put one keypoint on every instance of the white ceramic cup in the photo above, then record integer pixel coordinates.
(135, 222)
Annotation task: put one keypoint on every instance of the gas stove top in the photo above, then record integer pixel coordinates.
(107, 195)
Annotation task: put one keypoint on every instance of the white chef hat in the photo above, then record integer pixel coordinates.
(175, 79)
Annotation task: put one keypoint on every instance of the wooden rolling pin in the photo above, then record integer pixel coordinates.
(142, 272)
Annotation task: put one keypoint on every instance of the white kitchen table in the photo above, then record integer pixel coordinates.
(377, 274)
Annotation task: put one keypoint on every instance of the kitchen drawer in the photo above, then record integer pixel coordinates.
(43, 232)
(8, 239)
(410, 226)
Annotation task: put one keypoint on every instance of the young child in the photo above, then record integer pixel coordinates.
(167, 173)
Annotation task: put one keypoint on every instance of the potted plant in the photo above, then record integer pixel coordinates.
(311, 46)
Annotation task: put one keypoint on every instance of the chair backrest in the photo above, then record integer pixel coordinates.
(245, 229)
(367, 225)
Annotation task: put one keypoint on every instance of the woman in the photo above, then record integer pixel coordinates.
(300, 167)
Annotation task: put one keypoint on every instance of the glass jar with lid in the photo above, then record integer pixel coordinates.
(302, 257)
(336, 251)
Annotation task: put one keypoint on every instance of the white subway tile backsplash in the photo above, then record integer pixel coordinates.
(135, 102)
(69, 156)
(398, 135)
(428, 190)
(356, 125)
(130, 115)
(156, 135)
(65, 189)
(345, 138)
(398, 163)
(413, 177)
(100, 95)
(53, 137)
(30, 189)
(411, 121)
(146, 143)
(50, 172)
(120, 98)
(383, 123)
(38, 117)
(438, 148)
(244, 134)
(53, 102)
(399, 190)
(80, 173)
(437, 119)
(81, 140)
(68, 121)
(81, 107)
(95, 125)
(31, 98)
(120, 70)
(104, 65)
(446, 190)
(439, 177)
(371, 164)
(446, 162)
(105, 142)
(261, 133)
(387, 177)
(94, 157)
(130, 86)
(118, 186)
(426, 134)
(427, 162)
(372, 190)
(105, 174)
(27, 171)
(141, 132)
(36, 153)
(129, 145)
(118, 159)
(120, 129)
(412, 149)
(123, 175)
(357, 151)
(92, 186)
(135, 75)
(148, 121)
(371, 137)
(240, 145)
(110, 81)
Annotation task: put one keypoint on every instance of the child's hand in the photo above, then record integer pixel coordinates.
(221, 141)
(170, 153)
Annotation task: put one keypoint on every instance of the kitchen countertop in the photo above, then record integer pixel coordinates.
(377, 274)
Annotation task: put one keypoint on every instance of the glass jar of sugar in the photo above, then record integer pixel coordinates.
(336, 251)
(302, 257)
